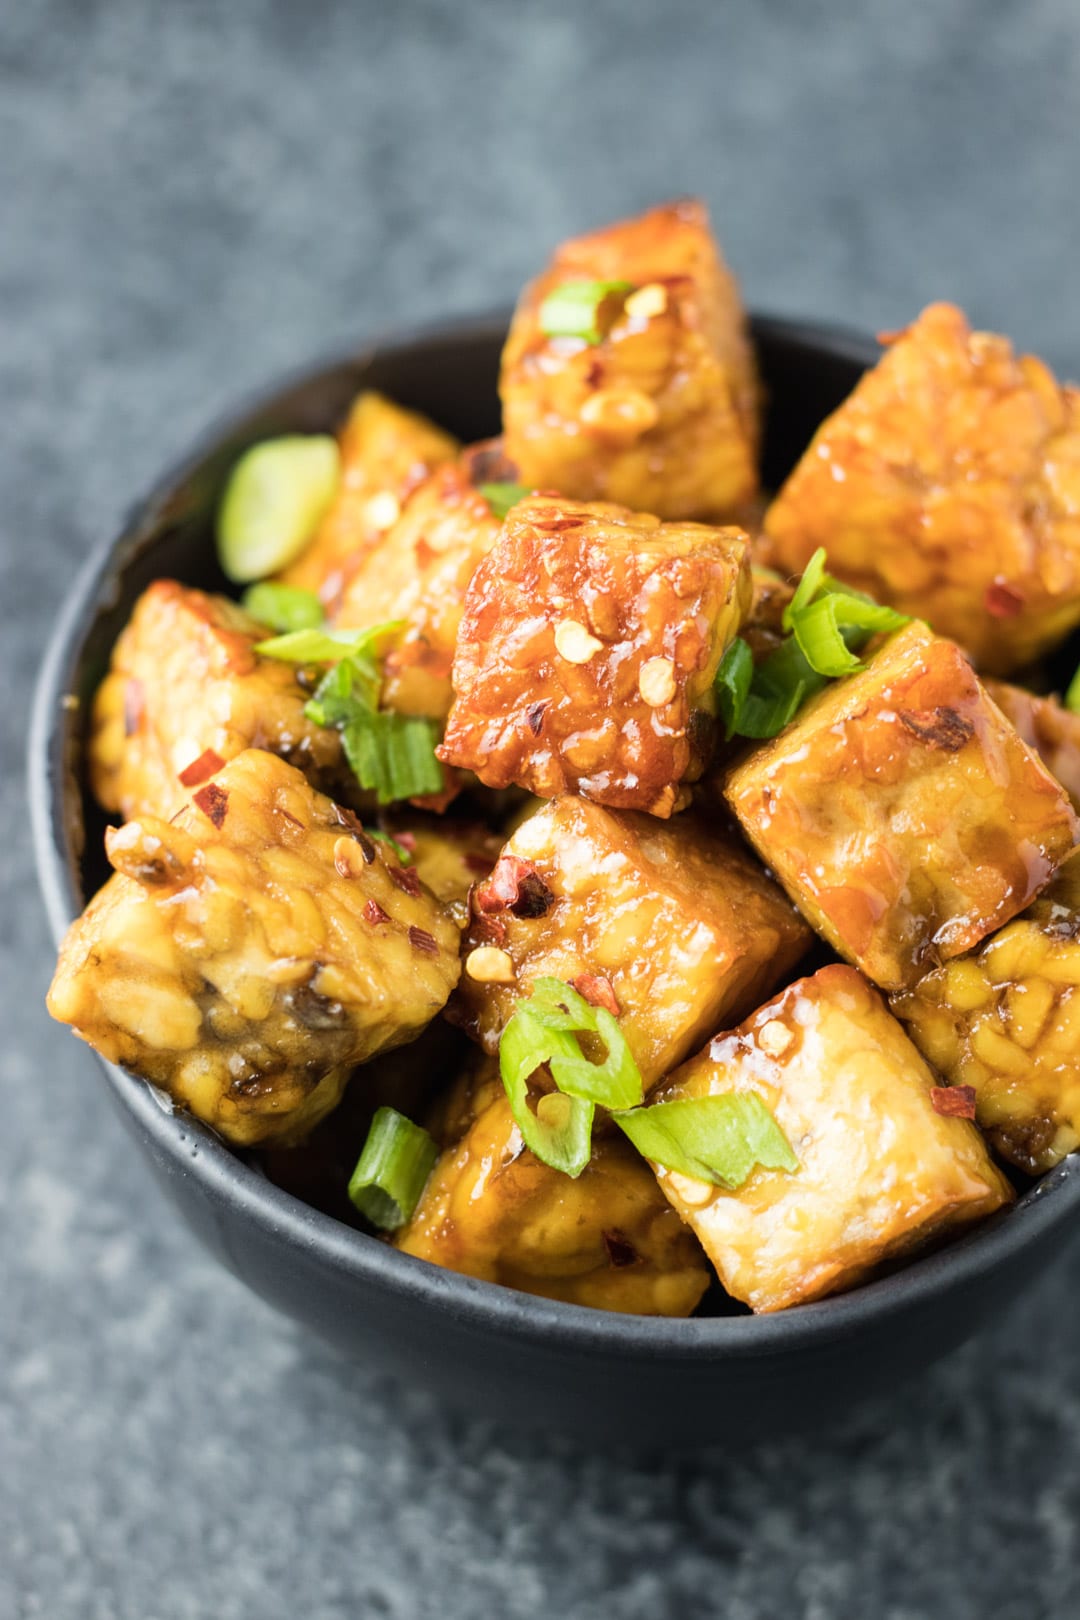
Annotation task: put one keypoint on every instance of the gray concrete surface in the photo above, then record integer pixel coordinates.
(193, 197)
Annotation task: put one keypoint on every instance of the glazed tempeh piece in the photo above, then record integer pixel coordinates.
(881, 1172)
(448, 855)
(386, 451)
(419, 572)
(667, 924)
(1052, 730)
(491, 1209)
(185, 693)
(1006, 1021)
(948, 484)
(902, 812)
(587, 652)
(661, 414)
(246, 955)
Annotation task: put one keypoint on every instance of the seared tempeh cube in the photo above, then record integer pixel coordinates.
(1048, 727)
(246, 955)
(186, 692)
(658, 406)
(586, 656)
(902, 812)
(419, 572)
(948, 485)
(881, 1171)
(491, 1209)
(1006, 1022)
(386, 451)
(670, 926)
(448, 855)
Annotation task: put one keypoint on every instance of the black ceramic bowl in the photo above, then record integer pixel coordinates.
(519, 1360)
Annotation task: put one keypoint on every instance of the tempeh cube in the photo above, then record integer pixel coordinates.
(661, 413)
(881, 1172)
(246, 955)
(386, 451)
(667, 924)
(491, 1209)
(948, 484)
(419, 572)
(586, 655)
(1006, 1022)
(902, 812)
(185, 693)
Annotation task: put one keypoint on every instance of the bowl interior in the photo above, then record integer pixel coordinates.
(450, 373)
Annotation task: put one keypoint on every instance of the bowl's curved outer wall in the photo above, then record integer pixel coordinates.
(519, 1360)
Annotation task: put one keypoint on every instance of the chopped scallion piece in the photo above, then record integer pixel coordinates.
(276, 496)
(733, 677)
(828, 628)
(716, 1139)
(401, 854)
(573, 309)
(1072, 696)
(392, 754)
(325, 646)
(501, 497)
(393, 1167)
(283, 607)
(807, 588)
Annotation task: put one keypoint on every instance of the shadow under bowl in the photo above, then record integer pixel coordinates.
(515, 1359)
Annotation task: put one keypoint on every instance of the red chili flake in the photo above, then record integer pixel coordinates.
(938, 728)
(355, 828)
(405, 878)
(421, 940)
(534, 715)
(557, 522)
(407, 840)
(488, 931)
(594, 374)
(374, 913)
(954, 1102)
(287, 815)
(1002, 600)
(213, 801)
(620, 1251)
(597, 991)
(478, 863)
(134, 704)
(424, 553)
(513, 881)
(207, 764)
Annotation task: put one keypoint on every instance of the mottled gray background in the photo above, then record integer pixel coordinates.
(193, 197)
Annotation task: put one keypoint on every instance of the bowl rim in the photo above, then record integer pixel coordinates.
(483, 1307)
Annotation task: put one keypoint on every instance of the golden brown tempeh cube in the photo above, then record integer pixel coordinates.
(1006, 1021)
(662, 413)
(586, 655)
(948, 485)
(419, 571)
(667, 924)
(491, 1209)
(185, 684)
(386, 451)
(880, 1171)
(246, 955)
(448, 855)
(1046, 726)
(902, 812)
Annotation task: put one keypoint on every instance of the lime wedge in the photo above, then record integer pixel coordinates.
(275, 498)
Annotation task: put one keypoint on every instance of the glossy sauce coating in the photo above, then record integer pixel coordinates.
(185, 679)
(662, 413)
(246, 955)
(948, 485)
(1006, 1021)
(880, 1171)
(682, 926)
(902, 812)
(587, 652)
(491, 1209)
(420, 571)
(386, 451)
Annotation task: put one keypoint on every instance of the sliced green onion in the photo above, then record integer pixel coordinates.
(716, 1139)
(276, 496)
(393, 754)
(401, 854)
(828, 629)
(573, 309)
(1072, 696)
(283, 607)
(559, 1132)
(501, 497)
(733, 677)
(807, 588)
(393, 1167)
(324, 646)
(352, 683)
